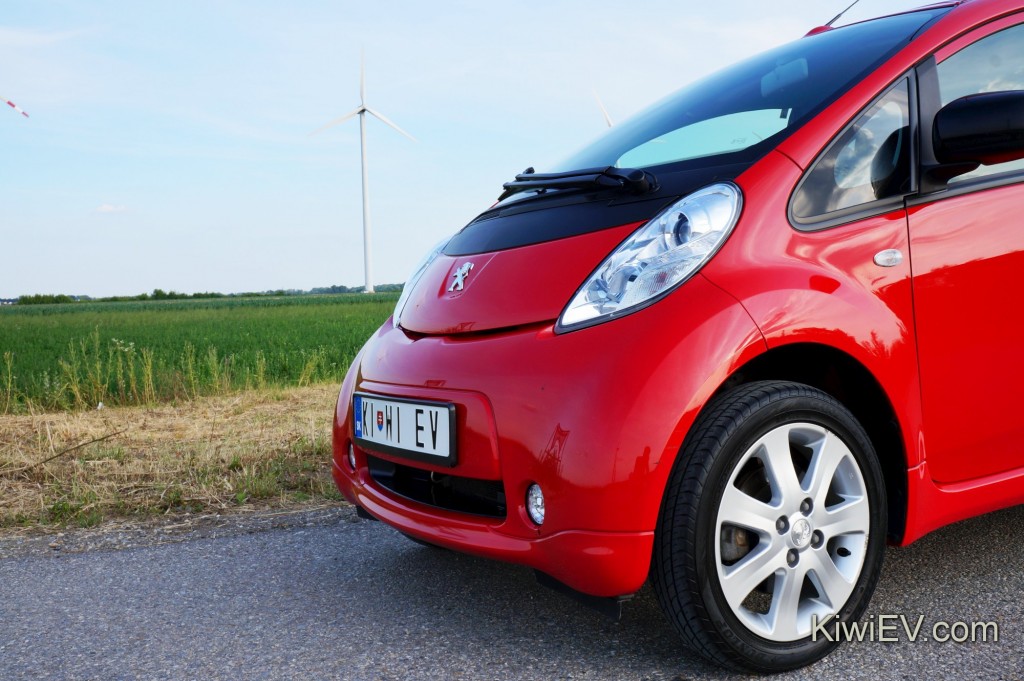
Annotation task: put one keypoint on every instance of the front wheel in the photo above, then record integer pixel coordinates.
(771, 529)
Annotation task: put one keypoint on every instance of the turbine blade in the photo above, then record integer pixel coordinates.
(385, 120)
(355, 112)
(14, 106)
(607, 118)
(362, 77)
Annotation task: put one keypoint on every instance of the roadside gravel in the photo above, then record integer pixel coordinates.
(156, 531)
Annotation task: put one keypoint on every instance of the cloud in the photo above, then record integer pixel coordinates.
(110, 208)
(27, 37)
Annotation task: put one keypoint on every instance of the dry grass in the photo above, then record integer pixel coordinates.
(257, 447)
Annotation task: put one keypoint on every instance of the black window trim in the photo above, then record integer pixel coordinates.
(980, 184)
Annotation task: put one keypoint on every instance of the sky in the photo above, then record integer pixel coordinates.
(168, 144)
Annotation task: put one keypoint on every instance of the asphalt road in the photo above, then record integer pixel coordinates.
(355, 600)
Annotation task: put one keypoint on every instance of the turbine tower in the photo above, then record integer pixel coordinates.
(361, 111)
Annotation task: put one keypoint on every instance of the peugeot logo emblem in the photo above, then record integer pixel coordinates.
(460, 277)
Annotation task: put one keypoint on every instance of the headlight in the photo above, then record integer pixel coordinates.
(410, 283)
(659, 256)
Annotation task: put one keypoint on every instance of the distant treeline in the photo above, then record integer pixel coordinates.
(160, 294)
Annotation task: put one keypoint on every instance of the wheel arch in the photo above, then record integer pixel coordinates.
(849, 381)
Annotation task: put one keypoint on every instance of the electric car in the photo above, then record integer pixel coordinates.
(733, 347)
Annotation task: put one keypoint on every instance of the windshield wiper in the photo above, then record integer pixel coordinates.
(609, 177)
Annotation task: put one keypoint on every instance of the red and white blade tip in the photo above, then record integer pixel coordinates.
(15, 107)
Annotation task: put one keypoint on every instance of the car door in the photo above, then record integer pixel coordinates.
(967, 255)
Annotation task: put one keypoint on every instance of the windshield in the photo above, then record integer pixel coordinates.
(745, 110)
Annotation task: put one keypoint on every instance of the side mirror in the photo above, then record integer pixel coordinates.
(982, 129)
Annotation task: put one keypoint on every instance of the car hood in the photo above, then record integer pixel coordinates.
(514, 287)
(520, 263)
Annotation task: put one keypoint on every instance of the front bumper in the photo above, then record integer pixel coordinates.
(603, 563)
(595, 417)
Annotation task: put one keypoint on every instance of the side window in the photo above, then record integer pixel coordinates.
(993, 64)
(870, 160)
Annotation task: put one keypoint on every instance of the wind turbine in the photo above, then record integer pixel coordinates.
(361, 111)
(14, 106)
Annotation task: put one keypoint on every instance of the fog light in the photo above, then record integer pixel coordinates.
(351, 457)
(535, 503)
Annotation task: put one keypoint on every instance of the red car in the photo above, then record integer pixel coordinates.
(734, 346)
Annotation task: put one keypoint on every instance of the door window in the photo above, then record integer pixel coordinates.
(993, 64)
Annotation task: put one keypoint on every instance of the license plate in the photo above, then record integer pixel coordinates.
(424, 431)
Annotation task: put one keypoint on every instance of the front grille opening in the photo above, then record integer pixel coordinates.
(450, 492)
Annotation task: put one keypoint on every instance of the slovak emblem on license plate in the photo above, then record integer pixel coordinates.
(424, 431)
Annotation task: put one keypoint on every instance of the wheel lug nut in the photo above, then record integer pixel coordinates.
(782, 525)
(793, 557)
(805, 506)
(817, 539)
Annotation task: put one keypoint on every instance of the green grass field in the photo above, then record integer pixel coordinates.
(74, 356)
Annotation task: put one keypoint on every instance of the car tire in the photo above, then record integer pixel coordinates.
(772, 528)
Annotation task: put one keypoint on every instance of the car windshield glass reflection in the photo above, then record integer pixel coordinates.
(740, 113)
